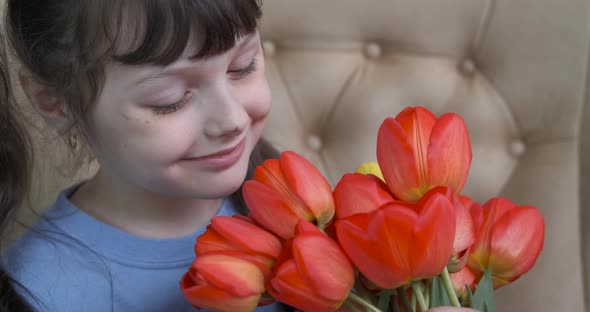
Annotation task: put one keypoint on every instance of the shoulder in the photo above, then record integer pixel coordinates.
(56, 273)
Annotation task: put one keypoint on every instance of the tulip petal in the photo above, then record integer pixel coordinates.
(449, 153)
(268, 209)
(329, 272)
(272, 175)
(359, 193)
(395, 156)
(476, 212)
(211, 241)
(517, 241)
(486, 216)
(434, 234)
(461, 281)
(247, 235)
(465, 231)
(311, 186)
(237, 276)
(417, 123)
(289, 287)
(495, 208)
(223, 283)
(361, 237)
(393, 227)
(212, 298)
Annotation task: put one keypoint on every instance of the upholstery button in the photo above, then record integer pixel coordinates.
(467, 67)
(314, 142)
(517, 148)
(269, 47)
(373, 51)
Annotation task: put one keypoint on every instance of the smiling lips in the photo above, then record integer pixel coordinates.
(221, 159)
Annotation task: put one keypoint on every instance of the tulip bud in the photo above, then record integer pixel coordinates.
(223, 283)
(400, 242)
(286, 190)
(509, 239)
(239, 233)
(417, 151)
(312, 272)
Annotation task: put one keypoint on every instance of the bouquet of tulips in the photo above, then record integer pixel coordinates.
(396, 235)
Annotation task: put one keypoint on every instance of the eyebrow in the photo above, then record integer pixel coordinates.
(243, 41)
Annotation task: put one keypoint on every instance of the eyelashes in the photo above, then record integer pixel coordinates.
(171, 108)
(242, 72)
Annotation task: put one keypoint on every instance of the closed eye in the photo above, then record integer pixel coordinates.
(243, 72)
(171, 108)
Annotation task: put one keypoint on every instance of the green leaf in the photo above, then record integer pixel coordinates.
(469, 293)
(483, 299)
(384, 297)
(438, 294)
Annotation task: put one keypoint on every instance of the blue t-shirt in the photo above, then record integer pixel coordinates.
(70, 261)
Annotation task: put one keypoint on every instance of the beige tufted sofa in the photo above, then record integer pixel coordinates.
(515, 70)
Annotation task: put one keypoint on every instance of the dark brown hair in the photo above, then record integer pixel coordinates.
(65, 44)
(15, 167)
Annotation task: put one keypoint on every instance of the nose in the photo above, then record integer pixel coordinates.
(226, 117)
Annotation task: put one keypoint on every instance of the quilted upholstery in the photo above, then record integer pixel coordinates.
(515, 71)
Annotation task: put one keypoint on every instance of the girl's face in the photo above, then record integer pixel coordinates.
(186, 129)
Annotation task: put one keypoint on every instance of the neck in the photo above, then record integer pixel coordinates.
(140, 211)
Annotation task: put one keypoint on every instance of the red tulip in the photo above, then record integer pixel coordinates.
(464, 230)
(286, 190)
(464, 233)
(400, 242)
(223, 283)
(509, 239)
(359, 193)
(312, 272)
(240, 234)
(416, 152)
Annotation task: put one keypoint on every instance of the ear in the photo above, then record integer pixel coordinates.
(46, 101)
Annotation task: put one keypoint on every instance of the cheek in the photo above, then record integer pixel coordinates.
(146, 139)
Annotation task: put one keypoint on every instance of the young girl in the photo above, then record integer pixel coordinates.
(170, 97)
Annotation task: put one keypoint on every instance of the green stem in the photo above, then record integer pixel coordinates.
(360, 300)
(449, 288)
(351, 306)
(426, 292)
(419, 291)
(401, 292)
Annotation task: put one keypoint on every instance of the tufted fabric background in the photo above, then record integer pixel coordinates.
(515, 70)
